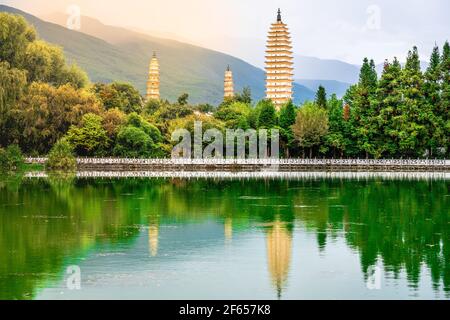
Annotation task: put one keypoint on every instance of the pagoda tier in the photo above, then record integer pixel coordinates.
(153, 80)
(228, 86)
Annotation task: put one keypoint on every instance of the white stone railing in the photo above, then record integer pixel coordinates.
(306, 162)
(254, 175)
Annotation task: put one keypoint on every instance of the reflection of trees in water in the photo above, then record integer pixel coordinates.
(43, 223)
(405, 224)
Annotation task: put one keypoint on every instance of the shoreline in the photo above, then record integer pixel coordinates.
(254, 165)
(267, 175)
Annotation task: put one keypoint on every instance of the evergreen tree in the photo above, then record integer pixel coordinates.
(432, 95)
(286, 121)
(361, 99)
(414, 115)
(445, 94)
(368, 76)
(287, 115)
(267, 118)
(245, 96)
(321, 97)
(389, 99)
(335, 138)
(183, 99)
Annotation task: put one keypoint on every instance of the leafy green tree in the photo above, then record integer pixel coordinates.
(245, 96)
(119, 95)
(336, 139)
(321, 97)
(133, 142)
(113, 119)
(183, 99)
(43, 62)
(15, 36)
(46, 113)
(12, 86)
(61, 157)
(89, 138)
(151, 106)
(11, 159)
(310, 127)
(138, 138)
(74, 76)
(167, 112)
(138, 121)
(267, 117)
(234, 115)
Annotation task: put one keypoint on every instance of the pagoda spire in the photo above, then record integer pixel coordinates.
(279, 15)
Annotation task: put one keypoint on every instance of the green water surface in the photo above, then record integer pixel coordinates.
(221, 239)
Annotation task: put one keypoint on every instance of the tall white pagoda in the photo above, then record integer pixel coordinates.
(153, 79)
(279, 63)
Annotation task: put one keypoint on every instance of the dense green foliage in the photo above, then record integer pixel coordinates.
(61, 157)
(402, 113)
(11, 159)
(310, 127)
(139, 139)
(90, 139)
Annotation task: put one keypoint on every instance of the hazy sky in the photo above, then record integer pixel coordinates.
(339, 29)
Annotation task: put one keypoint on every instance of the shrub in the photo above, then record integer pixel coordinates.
(61, 157)
(11, 159)
(90, 138)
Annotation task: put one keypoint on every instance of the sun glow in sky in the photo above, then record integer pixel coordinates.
(347, 30)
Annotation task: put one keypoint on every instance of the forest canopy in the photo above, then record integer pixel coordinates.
(401, 113)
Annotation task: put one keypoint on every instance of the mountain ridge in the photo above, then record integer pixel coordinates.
(184, 68)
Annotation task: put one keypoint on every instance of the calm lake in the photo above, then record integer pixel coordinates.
(155, 238)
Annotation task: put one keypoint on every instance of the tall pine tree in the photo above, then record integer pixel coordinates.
(445, 94)
(321, 97)
(287, 118)
(432, 95)
(361, 99)
(389, 99)
(413, 133)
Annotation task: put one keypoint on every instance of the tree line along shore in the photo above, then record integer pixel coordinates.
(49, 107)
